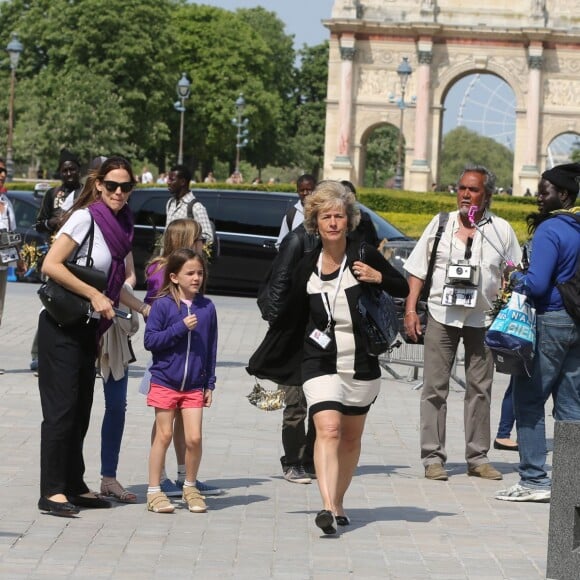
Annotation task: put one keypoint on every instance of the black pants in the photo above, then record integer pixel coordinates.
(298, 442)
(66, 379)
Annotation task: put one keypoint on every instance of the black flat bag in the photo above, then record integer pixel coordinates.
(66, 307)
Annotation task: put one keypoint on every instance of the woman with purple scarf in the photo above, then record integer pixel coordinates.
(67, 355)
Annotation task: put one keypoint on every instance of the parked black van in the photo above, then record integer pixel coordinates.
(247, 224)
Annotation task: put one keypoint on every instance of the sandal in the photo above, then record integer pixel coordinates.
(159, 503)
(112, 488)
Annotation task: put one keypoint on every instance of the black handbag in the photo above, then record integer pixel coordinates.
(66, 307)
(378, 315)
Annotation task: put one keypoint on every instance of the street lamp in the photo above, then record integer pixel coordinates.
(183, 92)
(242, 132)
(404, 71)
(14, 49)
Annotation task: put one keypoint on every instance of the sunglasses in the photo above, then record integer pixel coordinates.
(112, 186)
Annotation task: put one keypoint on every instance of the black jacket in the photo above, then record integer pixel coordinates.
(50, 212)
(275, 288)
(279, 357)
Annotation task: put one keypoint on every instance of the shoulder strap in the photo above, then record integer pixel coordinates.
(443, 219)
(90, 235)
(290, 217)
(190, 208)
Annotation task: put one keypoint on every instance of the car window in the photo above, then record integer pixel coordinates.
(25, 213)
(151, 212)
(383, 227)
(250, 216)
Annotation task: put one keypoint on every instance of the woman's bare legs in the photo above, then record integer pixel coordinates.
(328, 432)
(348, 456)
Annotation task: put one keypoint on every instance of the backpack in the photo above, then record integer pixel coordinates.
(213, 250)
(570, 289)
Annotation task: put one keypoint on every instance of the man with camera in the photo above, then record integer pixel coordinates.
(467, 276)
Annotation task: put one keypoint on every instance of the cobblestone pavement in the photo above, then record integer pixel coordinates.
(403, 526)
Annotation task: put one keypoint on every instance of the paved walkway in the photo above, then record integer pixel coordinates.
(403, 526)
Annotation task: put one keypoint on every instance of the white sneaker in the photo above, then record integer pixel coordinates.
(518, 492)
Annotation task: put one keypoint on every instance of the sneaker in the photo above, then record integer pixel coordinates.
(436, 471)
(169, 488)
(309, 470)
(485, 471)
(207, 489)
(157, 502)
(518, 492)
(296, 474)
(194, 500)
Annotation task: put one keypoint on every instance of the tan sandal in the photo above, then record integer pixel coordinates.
(112, 488)
(159, 503)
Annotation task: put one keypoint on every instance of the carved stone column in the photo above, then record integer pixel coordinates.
(347, 54)
(533, 107)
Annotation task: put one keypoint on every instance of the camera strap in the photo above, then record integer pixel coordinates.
(468, 248)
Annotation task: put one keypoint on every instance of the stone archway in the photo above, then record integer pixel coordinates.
(533, 45)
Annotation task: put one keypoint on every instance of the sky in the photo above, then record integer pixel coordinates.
(302, 17)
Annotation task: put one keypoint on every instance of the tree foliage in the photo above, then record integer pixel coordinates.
(100, 77)
(461, 146)
(381, 156)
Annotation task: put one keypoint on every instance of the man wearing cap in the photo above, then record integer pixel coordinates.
(51, 210)
(467, 273)
(556, 364)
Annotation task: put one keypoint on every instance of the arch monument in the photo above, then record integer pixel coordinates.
(533, 45)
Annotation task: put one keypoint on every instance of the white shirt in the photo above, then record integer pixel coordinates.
(298, 219)
(7, 218)
(76, 227)
(483, 254)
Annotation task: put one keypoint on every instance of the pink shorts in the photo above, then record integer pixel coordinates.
(165, 398)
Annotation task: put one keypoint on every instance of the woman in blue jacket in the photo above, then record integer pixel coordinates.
(181, 334)
(556, 365)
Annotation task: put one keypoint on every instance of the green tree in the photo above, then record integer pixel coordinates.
(461, 146)
(381, 156)
(307, 145)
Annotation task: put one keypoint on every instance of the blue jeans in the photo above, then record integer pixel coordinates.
(556, 372)
(113, 423)
(507, 417)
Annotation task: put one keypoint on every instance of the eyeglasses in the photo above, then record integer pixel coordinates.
(112, 186)
(3, 170)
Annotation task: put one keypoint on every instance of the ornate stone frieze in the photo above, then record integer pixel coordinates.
(535, 62)
(562, 92)
(425, 57)
(347, 52)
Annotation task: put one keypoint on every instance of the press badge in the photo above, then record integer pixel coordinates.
(320, 338)
(459, 296)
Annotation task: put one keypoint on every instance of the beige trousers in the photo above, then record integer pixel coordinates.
(441, 342)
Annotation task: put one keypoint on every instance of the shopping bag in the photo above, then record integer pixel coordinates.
(512, 336)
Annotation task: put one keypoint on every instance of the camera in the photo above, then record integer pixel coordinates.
(462, 273)
(9, 239)
(455, 272)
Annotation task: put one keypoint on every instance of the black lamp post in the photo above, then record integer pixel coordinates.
(183, 92)
(242, 132)
(14, 49)
(404, 71)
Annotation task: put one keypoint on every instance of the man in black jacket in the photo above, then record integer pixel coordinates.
(297, 441)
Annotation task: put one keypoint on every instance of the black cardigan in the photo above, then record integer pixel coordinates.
(279, 356)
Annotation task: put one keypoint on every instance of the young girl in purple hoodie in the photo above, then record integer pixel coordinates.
(181, 334)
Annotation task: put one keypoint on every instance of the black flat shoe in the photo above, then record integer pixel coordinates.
(90, 502)
(326, 521)
(343, 520)
(57, 508)
(503, 447)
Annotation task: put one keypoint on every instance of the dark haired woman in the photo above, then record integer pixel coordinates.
(67, 354)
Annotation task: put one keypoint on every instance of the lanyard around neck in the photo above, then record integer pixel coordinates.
(329, 305)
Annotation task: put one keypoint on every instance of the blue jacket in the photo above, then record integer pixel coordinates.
(183, 360)
(556, 248)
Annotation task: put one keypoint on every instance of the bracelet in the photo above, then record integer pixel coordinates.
(143, 307)
(410, 312)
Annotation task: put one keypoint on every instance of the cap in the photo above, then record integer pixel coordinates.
(66, 155)
(565, 176)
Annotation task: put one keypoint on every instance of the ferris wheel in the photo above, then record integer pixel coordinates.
(487, 105)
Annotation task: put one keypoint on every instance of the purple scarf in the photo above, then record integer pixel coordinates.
(117, 230)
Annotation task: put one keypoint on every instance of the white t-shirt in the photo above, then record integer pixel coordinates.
(484, 255)
(296, 221)
(76, 227)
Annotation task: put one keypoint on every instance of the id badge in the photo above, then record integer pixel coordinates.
(320, 338)
(8, 255)
(459, 296)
